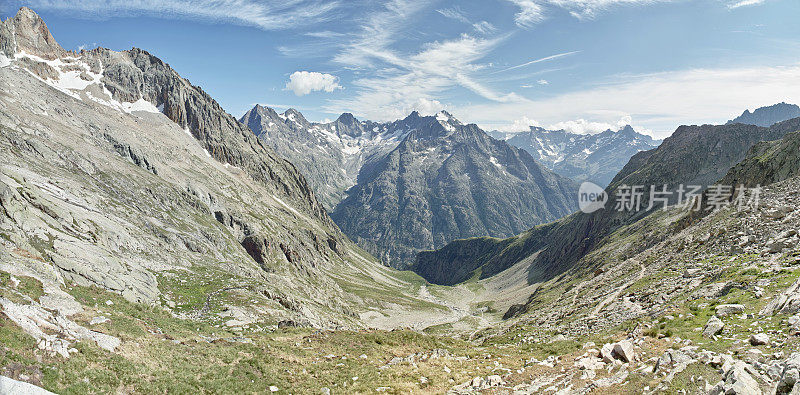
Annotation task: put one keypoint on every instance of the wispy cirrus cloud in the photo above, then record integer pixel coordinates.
(532, 12)
(744, 3)
(454, 13)
(404, 80)
(398, 80)
(264, 14)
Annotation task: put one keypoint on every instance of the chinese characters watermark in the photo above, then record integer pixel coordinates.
(633, 198)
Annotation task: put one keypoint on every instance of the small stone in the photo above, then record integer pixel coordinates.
(494, 380)
(98, 321)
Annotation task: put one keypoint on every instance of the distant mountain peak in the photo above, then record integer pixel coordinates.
(30, 35)
(596, 157)
(768, 115)
(347, 119)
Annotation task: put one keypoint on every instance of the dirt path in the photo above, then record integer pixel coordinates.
(614, 295)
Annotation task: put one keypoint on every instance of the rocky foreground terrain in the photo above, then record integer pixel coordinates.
(149, 243)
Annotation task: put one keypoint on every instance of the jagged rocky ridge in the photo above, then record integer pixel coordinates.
(446, 181)
(416, 209)
(117, 173)
(769, 115)
(583, 157)
(330, 155)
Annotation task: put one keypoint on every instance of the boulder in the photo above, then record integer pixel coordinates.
(737, 381)
(494, 381)
(776, 246)
(607, 353)
(729, 309)
(624, 351)
(713, 327)
(759, 339)
(790, 375)
(11, 386)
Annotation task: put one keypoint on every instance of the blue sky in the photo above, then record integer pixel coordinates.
(584, 65)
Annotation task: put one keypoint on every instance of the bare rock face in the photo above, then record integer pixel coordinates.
(332, 153)
(11, 386)
(448, 181)
(28, 33)
(129, 178)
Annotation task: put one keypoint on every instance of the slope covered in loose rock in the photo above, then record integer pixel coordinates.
(118, 174)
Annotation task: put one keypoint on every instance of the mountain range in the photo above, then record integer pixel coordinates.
(152, 243)
(417, 183)
(330, 155)
(119, 174)
(583, 157)
(693, 155)
(445, 181)
(769, 115)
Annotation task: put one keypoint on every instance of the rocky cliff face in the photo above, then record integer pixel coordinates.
(583, 157)
(446, 181)
(330, 155)
(769, 115)
(118, 174)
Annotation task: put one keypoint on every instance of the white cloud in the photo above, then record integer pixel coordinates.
(454, 13)
(520, 125)
(532, 12)
(582, 126)
(397, 80)
(264, 14)
(484, 27)
(305, 82)
(744, 3)
(425, 107)
(542, 82)
(539, 60)
(659, 102)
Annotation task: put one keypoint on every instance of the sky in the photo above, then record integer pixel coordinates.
(581, 65)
